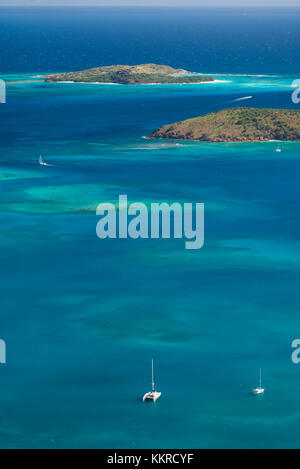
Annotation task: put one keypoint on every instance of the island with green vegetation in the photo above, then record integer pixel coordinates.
(240, 124)
(130, 75)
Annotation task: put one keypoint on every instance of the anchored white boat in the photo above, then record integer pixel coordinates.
(278, 150)
(260, 389)
(152, 395)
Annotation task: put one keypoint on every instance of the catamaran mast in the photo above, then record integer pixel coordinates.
(260, 377)
(153, 383)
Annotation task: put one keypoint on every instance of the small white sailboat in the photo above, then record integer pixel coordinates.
(42, 162)
(278, 150)
(260, 389)
(152, 395)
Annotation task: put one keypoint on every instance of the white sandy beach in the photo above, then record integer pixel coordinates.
(141, 84)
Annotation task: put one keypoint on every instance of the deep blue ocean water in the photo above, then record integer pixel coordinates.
(82, 317)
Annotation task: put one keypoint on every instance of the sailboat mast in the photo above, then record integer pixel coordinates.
(260, 377)
(153, 384)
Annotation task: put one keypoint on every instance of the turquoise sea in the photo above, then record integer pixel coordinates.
(82, 317)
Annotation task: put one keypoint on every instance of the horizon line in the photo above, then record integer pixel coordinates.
(154, 6)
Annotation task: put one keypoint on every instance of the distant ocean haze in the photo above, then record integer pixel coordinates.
(203, 40)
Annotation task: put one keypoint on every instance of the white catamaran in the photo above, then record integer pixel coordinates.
(152, 395)
(260, 389)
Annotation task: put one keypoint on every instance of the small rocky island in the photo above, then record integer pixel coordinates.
(236, 125)
(131, 75)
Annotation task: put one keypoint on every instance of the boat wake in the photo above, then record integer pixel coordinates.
(243, 98)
